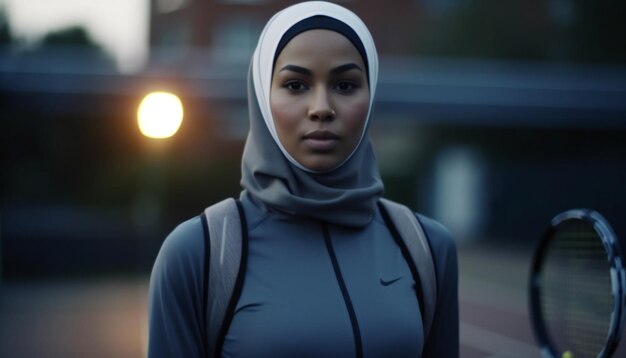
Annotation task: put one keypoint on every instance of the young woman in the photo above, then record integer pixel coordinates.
(323, 276)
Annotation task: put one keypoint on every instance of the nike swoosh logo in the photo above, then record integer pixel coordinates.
(389, 282)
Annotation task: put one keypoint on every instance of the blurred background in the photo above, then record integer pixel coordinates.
(491, 116)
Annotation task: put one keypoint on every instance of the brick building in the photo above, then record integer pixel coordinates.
(227, 30)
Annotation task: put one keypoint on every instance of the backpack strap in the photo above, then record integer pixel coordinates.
(226, 236)
(226, 239)
(410, 235)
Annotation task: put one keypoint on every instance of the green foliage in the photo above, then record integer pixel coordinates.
(553, 30)
(5, 30)
(71, 36)
(71, 47)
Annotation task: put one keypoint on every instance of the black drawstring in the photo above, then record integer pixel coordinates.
(344, 291)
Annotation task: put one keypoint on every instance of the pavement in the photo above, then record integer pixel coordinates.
(95, 318)
(106, 317)
(493, 302)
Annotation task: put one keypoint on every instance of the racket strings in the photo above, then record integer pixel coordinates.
(576, 297)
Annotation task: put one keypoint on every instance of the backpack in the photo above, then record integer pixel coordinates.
(225, 242)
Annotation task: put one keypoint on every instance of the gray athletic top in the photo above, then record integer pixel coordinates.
(309, 290)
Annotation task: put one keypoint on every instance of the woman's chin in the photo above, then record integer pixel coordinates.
(321, 162)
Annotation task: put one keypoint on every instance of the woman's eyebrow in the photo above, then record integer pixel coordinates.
(344, 68)
(298, 69)
(334, 71)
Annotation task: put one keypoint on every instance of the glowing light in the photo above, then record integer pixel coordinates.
(160, 115)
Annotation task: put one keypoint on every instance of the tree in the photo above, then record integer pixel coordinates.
(72, 45)
(5, 30)
(567, 30)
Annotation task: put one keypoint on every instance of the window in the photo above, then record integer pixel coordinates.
(173, 41)
(235, 38)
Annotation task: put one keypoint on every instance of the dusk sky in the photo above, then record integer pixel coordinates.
(119, 26)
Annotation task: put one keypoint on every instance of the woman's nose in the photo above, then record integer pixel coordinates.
(320, 108)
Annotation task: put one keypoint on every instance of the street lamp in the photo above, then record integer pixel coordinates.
(160, 114)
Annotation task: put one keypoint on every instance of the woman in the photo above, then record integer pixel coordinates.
(323, 276)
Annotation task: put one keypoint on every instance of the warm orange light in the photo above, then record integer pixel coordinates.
(160, 115)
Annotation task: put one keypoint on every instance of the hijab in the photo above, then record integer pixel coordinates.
(345, 195)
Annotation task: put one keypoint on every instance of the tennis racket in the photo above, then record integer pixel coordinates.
(577, 283)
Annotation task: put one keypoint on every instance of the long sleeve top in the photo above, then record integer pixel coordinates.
(310, 290)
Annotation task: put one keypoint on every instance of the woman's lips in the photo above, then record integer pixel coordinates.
(321, 140)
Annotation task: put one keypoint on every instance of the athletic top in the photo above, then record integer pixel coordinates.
(310, 290)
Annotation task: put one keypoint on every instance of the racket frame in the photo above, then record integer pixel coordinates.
(618, 280)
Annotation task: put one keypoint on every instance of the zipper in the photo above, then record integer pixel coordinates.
(344, 292)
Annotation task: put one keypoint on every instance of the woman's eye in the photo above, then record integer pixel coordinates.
(295, 86)
(345, 86)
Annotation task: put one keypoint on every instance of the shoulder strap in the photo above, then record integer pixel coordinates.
(412, 235)
(225, 251)
(225, 235)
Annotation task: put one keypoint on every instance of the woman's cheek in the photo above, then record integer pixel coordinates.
(356, 113)
(284, 116)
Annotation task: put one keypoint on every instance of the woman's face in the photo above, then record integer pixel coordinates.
(319, 98)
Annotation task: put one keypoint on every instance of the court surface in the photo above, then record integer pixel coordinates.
(106, 317)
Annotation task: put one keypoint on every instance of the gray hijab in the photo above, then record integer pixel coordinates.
(345, 195)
